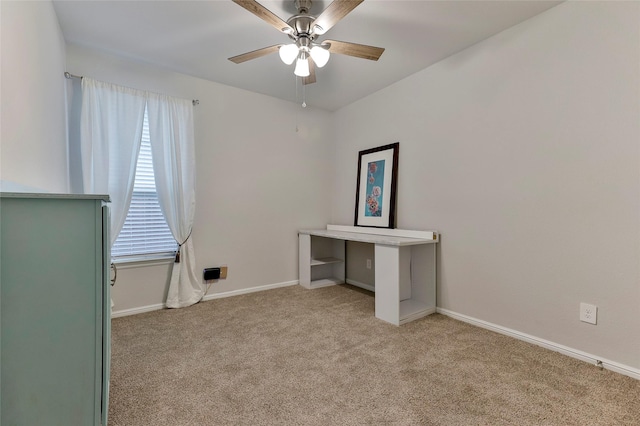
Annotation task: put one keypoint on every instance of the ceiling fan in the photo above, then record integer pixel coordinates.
(304, 29)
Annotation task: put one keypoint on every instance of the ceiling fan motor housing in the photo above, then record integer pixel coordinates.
(301, 25)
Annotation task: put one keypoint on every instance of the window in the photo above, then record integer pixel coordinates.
(145, 231)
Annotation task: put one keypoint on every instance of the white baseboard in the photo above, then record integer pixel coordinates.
(249, 290)
(565, 350)
(138, 310)
(361, 285)
(158, 306)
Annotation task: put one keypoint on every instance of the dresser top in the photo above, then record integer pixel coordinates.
(45, 195)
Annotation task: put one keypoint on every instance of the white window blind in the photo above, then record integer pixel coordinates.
(145, 230)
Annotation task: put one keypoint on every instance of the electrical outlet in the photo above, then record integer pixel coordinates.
(223, 272)
(368, 263)
(588, 313)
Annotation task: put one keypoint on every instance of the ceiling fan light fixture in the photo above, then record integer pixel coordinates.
(320, 56)
(302, 65)
(288, 53)
(304, 28)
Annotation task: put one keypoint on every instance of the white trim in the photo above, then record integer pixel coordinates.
(565, 350)
(249, 290)
(144, 261)
(361, 285)
(139, 310)
(159, 306)
(407, 233)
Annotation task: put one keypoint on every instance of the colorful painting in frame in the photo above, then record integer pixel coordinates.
(376, 187)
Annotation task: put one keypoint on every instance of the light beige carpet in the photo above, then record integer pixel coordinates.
(291, 356)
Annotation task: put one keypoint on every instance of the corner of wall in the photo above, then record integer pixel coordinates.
(34, 142)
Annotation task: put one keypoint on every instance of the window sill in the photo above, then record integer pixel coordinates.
(144, 261)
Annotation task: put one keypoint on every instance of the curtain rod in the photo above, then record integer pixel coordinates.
(68, 75)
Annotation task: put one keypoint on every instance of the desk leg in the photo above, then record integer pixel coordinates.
(392, 272)
(405, 282)
(304, 260)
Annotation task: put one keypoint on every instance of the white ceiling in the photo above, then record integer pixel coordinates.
(197, 37)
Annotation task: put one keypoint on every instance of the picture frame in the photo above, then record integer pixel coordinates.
(376, 187)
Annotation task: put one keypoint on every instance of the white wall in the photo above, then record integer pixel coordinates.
(33, 147)
(258, 179)
(523, 151)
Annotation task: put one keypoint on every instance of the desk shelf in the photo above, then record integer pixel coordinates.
(321, 261)
(324, 272)
(325, 261)
(325, 282)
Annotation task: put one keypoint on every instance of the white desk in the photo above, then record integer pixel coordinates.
(405, 267)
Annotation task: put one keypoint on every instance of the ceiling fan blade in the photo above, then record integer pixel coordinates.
(311, 78)
(265, 14)
(255, 54)
(332, 14)
(354, 49)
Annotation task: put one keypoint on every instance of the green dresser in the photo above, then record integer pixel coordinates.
(55, 309)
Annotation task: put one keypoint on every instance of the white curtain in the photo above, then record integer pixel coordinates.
(110, 134)
(173, 153)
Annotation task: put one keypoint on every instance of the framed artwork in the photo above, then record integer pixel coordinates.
(376, 187)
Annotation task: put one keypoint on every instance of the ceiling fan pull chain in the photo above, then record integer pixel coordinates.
(297, 112)
(304, 96)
